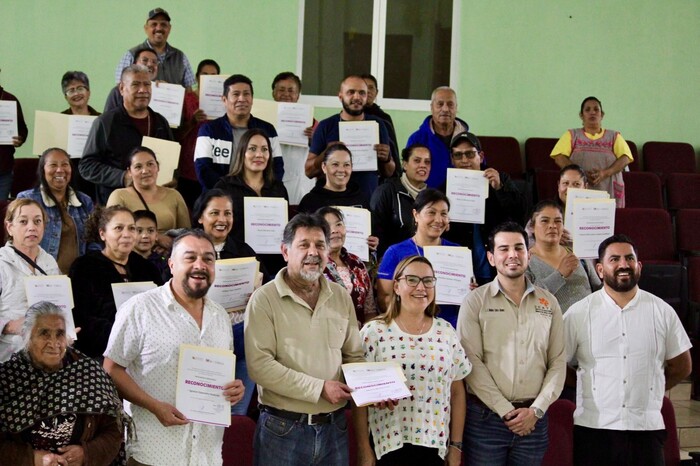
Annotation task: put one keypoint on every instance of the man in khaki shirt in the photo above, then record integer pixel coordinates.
(299, 329)
(513, 334)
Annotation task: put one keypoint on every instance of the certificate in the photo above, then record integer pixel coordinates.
(572, 195)
(454, 271)
(265, 110)
(211, 88)
(372, 382)
(58, 130)
(467, 191)
(358, 226)
(167, 99)
(123, 291)
(8, 121)
(595, 221)
(55, 289)
(168, 155)
(234, 282)
(265, 219)
(78, 130)
(202, 373)
(360, 137)
(292, 120)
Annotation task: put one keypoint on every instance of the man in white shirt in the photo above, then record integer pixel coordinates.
(627, 347)
(142, 357)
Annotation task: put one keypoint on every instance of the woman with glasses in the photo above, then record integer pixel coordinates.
(425, 429)
(76, 90)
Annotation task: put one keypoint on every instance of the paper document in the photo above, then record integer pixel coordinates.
(123, 291)
(358, 227)
(360, 137)
(574, 194)
(292, 120)
(467, 191)
(265, 219)
(372, 382)
(68, 132)
(168, 155)
(211, 89)
(454, 271)
(234, 282)
(55, 289)
(8, 121)
(265, 110)
(78, 130)
(167, 99)
(595, 221)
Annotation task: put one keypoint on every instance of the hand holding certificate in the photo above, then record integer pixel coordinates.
(8, 122)
(265, 219)
(234, 282)
(167, 99)
(595, 221)
(210, 91)
(374, 382)
(361, 137)
(454, 271)
(467, 191)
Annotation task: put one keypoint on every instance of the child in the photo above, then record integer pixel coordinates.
(146, 235)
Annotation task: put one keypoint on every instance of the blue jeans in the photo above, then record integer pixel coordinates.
(241, 408)
(489, 442)
(5, 185)
(281, 442)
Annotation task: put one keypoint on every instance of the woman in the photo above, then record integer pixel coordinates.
(392, 202)
(76, 90)
(250, 176)
(571, 176)
(21, 257)
(168, 205)
(431, 216)
(603, 154)
(553, 266)
(427, 428)
(347, 269)
(71, 412)
(92, 275)
(66, 209)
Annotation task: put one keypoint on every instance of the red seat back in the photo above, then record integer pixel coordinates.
(561, 434)
(503, 154)
(537, 152)
(683, 191)
(650, 229)
(663, 158)
(643, 189)
(237, 447)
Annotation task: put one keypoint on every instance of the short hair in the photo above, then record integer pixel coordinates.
(367, 76)
(69, 76)
(335, 147)
(200, 205)
(351, 76)
(619, 238)
(195, 233)
(35, 311)
(41, 175)
(539, 207)
(134, 68)
(145, 214)
(98, 220)
(238, 166)
(207, 62)
(407, 152)
(507, 227)
(139, 149)
(328, 210)
(590, 97)
(304, 220)
(286, 75)
(442, 88)
(394, 308)
(575, 168)
(140, 50)
(14, 207)
(236, 79)
(429, 196)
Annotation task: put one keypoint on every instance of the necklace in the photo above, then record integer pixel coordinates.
(404, 329)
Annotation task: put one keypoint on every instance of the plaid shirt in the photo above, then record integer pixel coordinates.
(188, 79)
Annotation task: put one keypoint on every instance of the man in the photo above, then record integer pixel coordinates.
(627, 347)
(286, 87)
(142, 357)
(513, 334)
(299, 329)
(371, 107)
(504, 203)
(437, 132)
(353, 96)
(115, 133)
(174, 66)
(7, 151)
(143, 56)
(217, 142)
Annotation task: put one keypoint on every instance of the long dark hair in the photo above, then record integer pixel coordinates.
(238, 167)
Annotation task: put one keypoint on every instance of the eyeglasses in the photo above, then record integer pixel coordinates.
(414, 280)
(470, 154)
(76, 90)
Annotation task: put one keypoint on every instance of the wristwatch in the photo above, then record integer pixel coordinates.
(457, 445)
(538, 412)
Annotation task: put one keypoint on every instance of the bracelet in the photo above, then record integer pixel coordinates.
(457, 445)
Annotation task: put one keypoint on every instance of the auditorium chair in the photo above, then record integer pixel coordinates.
(663, 158)
(546, 184)
(683, 191)
(503, 154)
(636, 164)
(561, 434)
(643, 189)
(537, 152)
(237, 449)
(24, 175)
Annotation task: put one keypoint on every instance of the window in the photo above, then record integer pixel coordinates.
(406, 44)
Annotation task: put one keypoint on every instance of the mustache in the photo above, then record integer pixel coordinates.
(629, 271)
(312, 261)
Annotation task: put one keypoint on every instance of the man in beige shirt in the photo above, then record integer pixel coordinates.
(513, 334)
(299, 329)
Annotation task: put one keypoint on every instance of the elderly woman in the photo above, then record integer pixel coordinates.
(603, 154)
(425, 429)
(92, 275)
(553, 266)
(67, 209)
(21, 257)
(57, 406)
(76, 90)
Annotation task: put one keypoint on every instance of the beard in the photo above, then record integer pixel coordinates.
(352, 112)
(311, 276)
(622, 286)
(200, 291)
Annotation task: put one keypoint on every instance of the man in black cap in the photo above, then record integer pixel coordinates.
(174, 67)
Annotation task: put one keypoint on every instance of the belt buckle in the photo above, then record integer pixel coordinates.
(309, 420)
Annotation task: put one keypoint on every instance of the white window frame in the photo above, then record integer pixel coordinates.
(377, 60)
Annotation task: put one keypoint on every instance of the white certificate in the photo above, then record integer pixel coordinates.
(202, 373)
(358, 226)
(360, 137)
(55, 289)
(168, 155)
(234, 282)
(123, 291)
(78, 130)
(595, 221)
(292, 120)
(372, 382)
(8, 121)
(467, 191)
(167, 99)
(572, 195)
(454, 271)
(265, 219)
(211, 88)
(68, 132)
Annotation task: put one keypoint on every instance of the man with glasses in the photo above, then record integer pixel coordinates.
(505, 202)
(513, 334)
(143, 56)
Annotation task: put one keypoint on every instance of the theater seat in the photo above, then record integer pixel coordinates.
(561, 434)
(651, 230)
(546, 184)
(503, 154)
(643, 189)
(23, 175)
(663, 158)
(537, 152)
(237, 447)
(636, 164)
(683, 191)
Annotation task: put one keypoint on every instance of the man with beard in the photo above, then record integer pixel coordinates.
(513, 334)
(353, 96)
(627, 347)
(299, 330)
(142, 357)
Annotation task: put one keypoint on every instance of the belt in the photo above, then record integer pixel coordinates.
(516, 404)
(310, 419)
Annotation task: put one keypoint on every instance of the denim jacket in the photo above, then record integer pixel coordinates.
(79, 207)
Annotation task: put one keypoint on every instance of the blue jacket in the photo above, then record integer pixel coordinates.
(79, 208)
(439, 152)
(213, 154)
